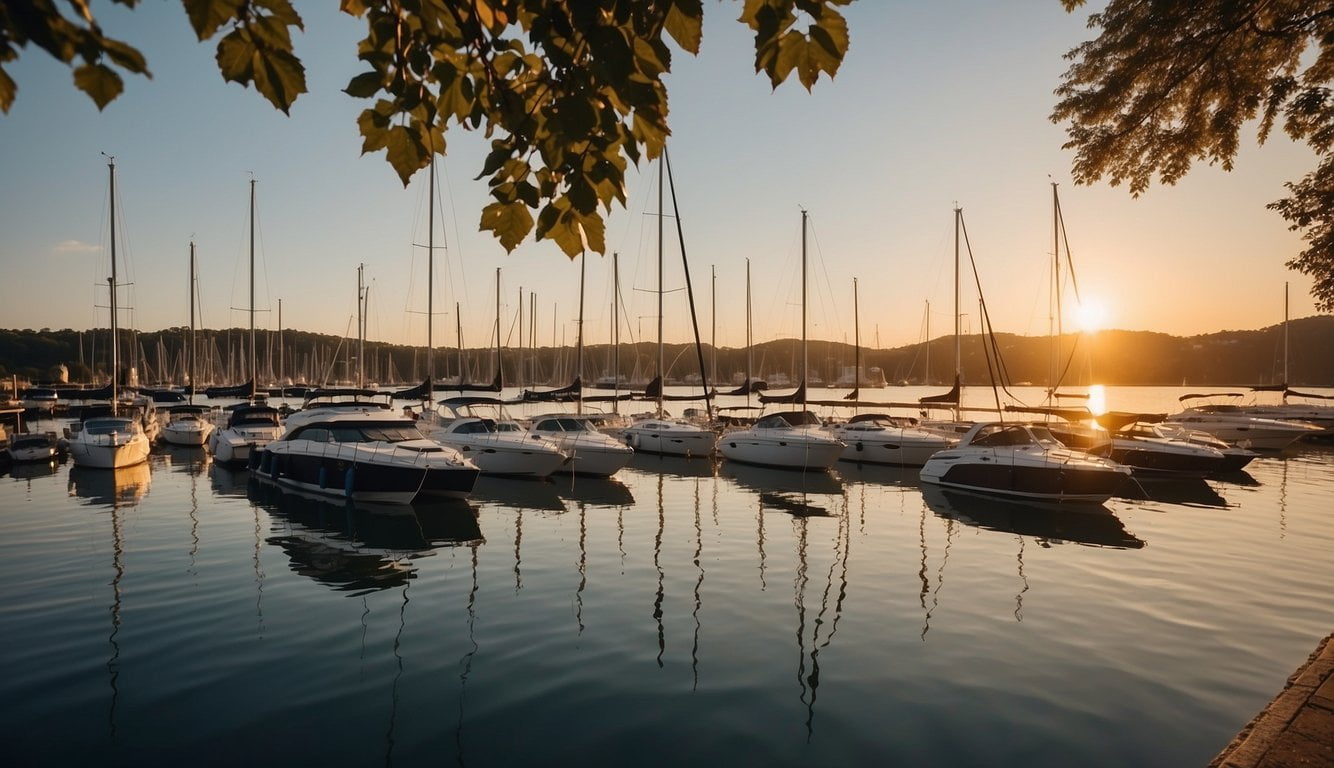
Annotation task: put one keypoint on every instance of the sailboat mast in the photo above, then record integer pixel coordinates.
(498, 365)
(282, 368)
(191, 361)
(713, 322)
(579, 355)
(615, 329)
(857, 344)
(458, 331)
(805, 365)
(519, 368)
(111, 284)
(750, 352)
(927, 378)
(958, 337)
(361, 326)
(661, 210)
(253, 378)
(1285, 341)
(430, 277)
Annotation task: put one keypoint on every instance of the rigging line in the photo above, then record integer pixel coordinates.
(985, 319)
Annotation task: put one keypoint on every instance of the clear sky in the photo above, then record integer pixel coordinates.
(937, 104)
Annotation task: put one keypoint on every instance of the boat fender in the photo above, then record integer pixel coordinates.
(860, 447)
(324, 478)
(349, 480)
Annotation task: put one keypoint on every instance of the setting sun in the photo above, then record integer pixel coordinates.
(1091, 315)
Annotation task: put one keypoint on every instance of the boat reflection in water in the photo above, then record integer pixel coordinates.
(880, 474)
(1189, 491)
(228, 481)
(360, 547)
(31, 470)
(190, 459)
(519, 494)
(123, 486)
(771, 480)
(1048, 523)
(593, 491)
(662, 464)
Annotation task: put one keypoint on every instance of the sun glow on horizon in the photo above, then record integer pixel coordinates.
(1091, 314)
(1097, 403)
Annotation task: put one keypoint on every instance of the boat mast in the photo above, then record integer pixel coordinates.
(958, 338)
(499, 372)
(713, 321)
(579, 355)
(615, 330)
(518, 371)
(1285, 341)
(361, 327)
(750, 352)
(191, 371)
(805, 367)
(111, 284)
(282, 363)
(430, 281)
(253, 378)
(856, 348)
(927, 378)
(661, 208)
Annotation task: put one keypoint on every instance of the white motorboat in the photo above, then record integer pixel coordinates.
(469, 425)
(249, 426)
(187, 425)
(342, 444)
(1243, 430)
(1164, 455)
(1023, 461)
(880, 439)
(104, 438)
(591, 452)
(1234, 458)
(788, 439)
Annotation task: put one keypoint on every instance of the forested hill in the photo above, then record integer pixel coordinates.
(1235, 358)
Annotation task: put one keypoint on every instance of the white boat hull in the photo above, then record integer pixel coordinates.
(112, 453)
(495, 457)
(193, 434)
(802, 449)
(670, 439)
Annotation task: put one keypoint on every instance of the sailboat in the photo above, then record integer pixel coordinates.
(254, 424)
(878, 438)
(787, 439)
(104, 437)
(658, 432)
(188, 424)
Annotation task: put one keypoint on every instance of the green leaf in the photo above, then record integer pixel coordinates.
(99, 82)
(364, 85)
(125, 56)
(509, 222)
(280, 77)
(207, 16)
(405, 153)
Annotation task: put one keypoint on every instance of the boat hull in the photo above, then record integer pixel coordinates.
(797, 449)
(125, 451)
(333, 473)
(193, 435)
(670, 439)
(497, 458)
(892, 450)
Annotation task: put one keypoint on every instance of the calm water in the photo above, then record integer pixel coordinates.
(682, 611)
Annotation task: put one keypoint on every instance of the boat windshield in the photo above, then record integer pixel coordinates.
(374, 433)
(107, 426)
(475, 427)
(561, 425)
(508, 426)
(788, 420)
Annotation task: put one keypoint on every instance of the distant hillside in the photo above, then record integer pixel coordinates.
(1226, 358)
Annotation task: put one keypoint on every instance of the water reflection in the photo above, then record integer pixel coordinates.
(228, 482)
(880, 474)
(1047, 524)
(594, 491)
(823, 626)
(519, 494)
(32, 470)
(114, 488)
(699, 466)
(189, 459)
(767, 479)
(1188, 491)
(360, 547)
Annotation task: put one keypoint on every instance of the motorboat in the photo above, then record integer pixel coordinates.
(787, 439)
(108, 438)
(1163, 455)
(1023, 460)
(1238, 428)
(40, 446)
(469, 425)
(591, 452)
(660, 434)
(874, 438)
(342, 443)
(187, 425)
(1234, 458)
(250, 426)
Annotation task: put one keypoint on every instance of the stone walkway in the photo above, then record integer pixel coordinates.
(1297, 728)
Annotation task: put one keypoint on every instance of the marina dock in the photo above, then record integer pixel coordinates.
(1297, 727)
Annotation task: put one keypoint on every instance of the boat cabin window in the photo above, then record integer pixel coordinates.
(1014, 435)
(107, 426)
(477, 427)
(315, 434)
(374, 433)
(508, 426)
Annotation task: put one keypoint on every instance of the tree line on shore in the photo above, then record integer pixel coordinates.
(1225, 358)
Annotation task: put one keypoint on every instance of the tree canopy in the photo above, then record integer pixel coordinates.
(568, 91)
(1167, 84)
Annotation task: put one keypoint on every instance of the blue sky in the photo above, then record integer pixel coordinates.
(937, 104)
